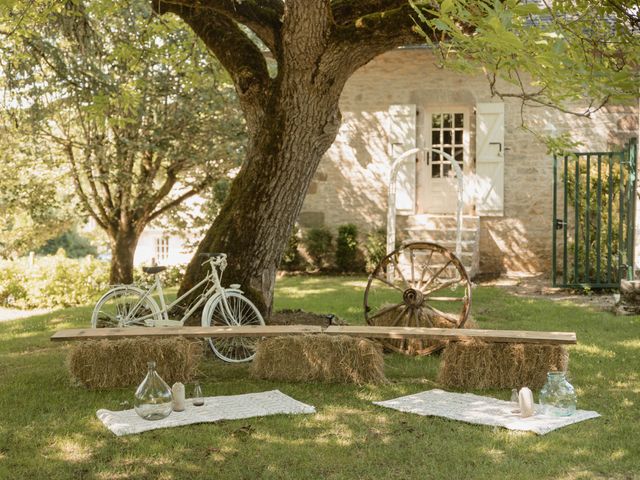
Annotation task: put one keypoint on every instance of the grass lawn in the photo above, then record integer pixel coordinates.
(48, 428)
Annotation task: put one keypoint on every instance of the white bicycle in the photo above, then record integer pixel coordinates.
(133, 306)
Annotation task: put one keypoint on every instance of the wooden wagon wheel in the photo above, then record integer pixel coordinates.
(420, 284)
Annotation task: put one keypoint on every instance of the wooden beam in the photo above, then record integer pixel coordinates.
(455, 334)
(197, 332)
(452, 334)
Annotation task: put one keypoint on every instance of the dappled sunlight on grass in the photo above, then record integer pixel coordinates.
(632, 344)
(70, 449)
(496, 456)
(592, 350)
(53, 431)
(307, 292)
(356, 284)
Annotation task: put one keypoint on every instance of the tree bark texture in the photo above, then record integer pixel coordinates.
(292, 117)
(123, 248)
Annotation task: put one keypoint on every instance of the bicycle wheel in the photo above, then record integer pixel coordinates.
(125, 306)
(243, 312)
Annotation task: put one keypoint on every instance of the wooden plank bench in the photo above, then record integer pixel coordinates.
(189, 332)
(455, 334)
(499, 336)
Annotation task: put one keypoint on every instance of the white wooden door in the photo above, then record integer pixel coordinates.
(490, 158)
(446, 130)
(402, 137)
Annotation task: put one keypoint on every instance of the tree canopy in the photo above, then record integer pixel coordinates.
(575, 56)
(289, 61)
(35, 203)
(143, 115)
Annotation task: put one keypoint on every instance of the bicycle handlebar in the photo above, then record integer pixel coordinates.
(212, 255)
(215, 259)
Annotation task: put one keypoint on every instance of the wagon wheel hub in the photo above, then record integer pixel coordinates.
(412, 297)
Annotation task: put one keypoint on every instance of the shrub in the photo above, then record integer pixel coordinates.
(291, 258)
(375, 247)
(348, 256)
(12, 290)
(54, 281)
(172, 276)
(73, 244)
(319, 245)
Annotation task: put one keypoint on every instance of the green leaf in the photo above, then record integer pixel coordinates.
(446, 6)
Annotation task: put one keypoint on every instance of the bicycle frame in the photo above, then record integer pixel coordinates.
(203, 297)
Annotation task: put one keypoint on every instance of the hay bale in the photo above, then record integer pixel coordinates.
(478, 365)
(319, 358)
(123, 363)
(471, 323)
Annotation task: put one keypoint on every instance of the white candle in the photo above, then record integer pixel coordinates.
(525, 399)
(178, 397)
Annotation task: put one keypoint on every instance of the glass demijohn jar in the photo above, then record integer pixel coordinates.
(153, 396)
(557, 397)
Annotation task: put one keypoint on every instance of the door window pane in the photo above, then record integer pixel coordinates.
(447, 135)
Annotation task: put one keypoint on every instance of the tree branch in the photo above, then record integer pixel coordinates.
(236, 52)
(382, 29)
(359, 40)
(263, 17)
(346, 11)
(100, 220)
(177, 201)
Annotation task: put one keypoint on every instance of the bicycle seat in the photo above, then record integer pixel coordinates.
(152, 270)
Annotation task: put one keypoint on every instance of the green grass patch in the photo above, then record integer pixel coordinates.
(48, 427)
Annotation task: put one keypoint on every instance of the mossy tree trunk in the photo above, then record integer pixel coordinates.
(292, 117)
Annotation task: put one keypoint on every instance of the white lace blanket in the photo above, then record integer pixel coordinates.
(231, 407)
(471, 408)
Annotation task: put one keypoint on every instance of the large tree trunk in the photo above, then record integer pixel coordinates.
(123, 249)
(265, 199)
(292, 119)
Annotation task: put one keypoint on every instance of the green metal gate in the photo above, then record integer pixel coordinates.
(594, 218)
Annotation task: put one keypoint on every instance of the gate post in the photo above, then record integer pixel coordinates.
(633, 159)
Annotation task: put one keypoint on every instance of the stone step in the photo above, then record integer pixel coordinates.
(467, 259)
(442, 229)
(466, 246)
(439, 236)
(437, 222)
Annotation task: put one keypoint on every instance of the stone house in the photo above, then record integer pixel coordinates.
(402, 100)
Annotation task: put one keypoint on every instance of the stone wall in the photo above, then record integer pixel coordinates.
(351, 184)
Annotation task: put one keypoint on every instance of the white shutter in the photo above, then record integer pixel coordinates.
(402, 137)
(490, 158)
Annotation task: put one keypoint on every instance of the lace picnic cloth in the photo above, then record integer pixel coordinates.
(232, 407)
(470, 408)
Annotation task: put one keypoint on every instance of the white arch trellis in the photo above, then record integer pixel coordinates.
(391, 203)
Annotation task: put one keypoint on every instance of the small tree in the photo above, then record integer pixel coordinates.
(140, 111)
